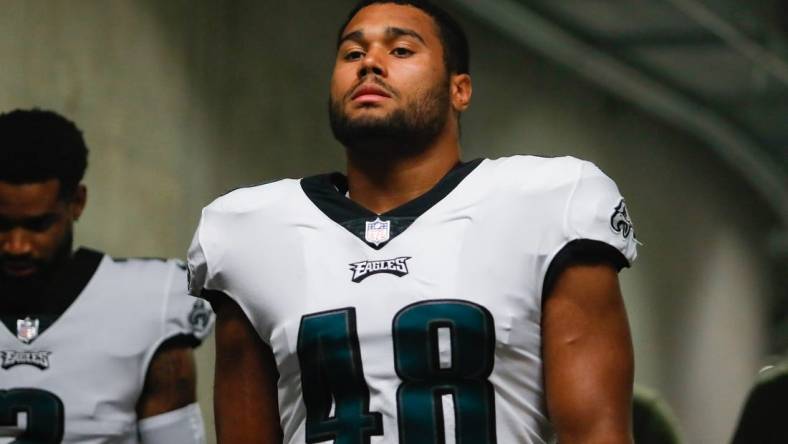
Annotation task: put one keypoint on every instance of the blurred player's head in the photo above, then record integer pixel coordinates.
(42, 162)
(401, 75)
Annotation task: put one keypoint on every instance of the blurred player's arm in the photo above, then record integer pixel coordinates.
(245, 382)
(170, 381)
(588, 357)
(167, 408)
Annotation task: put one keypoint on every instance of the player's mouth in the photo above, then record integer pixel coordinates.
(18, 269)
(368, 93)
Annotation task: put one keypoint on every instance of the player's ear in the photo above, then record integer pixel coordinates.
(77, 204)
(461, 91)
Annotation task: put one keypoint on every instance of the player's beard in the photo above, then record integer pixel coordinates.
(28, 294)
(403, 132)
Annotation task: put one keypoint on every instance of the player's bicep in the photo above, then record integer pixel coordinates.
(170, 380)
(588, 356)
(245, 390)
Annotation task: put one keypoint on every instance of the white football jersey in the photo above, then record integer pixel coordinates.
(81, 377)
(419, 325)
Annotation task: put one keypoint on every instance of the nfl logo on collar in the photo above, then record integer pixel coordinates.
(26, 329)
(378, 231)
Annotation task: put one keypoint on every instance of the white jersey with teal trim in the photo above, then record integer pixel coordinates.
(81, 377)
(419, 325)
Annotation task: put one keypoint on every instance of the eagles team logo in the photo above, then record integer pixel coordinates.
(362, 270)
(12, 358)
(200, 316)
(620, 221)
(27, 329)
(378, 231)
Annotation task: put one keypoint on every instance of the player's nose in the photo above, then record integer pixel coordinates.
(16, 242)
(373, 63)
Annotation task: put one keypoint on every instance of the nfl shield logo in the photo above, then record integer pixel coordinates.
(26, 329)
(378, 231)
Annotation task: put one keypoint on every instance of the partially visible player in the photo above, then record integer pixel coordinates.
(762, 418)
(92, 349)
(418, 299)
(653, 421)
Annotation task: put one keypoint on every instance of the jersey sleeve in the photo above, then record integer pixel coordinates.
(596, 212)
(197, 266)
(214, 263)
(185, 314)
(590, 220)
(205, 250)
(171, 313)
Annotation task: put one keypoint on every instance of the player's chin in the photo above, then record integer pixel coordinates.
(368, 113)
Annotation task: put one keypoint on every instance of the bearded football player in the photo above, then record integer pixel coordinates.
(418, 298)
(94, 349)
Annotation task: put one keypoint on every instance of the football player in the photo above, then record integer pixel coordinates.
(653, 421)
(92, 349)
(418, 298)
(762, 417)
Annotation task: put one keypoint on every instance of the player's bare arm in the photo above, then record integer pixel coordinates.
(167, 411)
(245, 379)
(588, 357)
(170, 381)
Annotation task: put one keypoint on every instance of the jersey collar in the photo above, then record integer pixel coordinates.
(64, 289)
(328, 193)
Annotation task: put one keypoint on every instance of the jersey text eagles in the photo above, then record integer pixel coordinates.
(362, 270)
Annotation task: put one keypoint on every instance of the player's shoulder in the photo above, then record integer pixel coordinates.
(776, 373)
(540, 172)
(147, 266)
(139, 285)
(253, 198)
(146, 280)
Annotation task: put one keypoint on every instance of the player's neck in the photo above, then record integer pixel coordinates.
(382, 183)
(40, 295)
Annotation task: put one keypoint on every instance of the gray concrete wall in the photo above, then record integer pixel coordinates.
(181, 101)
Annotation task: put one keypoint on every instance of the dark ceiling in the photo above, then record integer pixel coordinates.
(718, 69)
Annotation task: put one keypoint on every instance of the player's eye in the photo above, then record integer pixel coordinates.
(401, 52)
(353, 55)
(40, 224)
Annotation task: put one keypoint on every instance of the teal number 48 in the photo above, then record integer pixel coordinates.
(332, 375)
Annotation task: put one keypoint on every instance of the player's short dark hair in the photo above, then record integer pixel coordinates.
(38, 145)
(455, 43)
